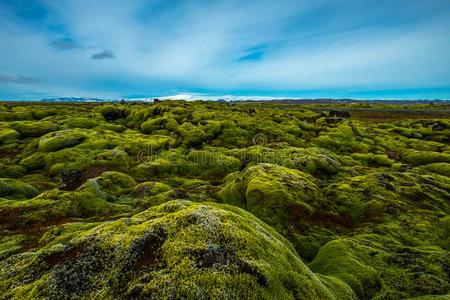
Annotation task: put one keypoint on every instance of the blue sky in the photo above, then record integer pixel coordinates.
(385, 49)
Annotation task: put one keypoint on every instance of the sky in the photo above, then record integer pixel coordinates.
(362, 49)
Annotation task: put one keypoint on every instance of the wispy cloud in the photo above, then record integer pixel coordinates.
(105, 54)
(18, 79)
(65, 44)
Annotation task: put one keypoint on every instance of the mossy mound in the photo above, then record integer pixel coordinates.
(55, 141)
(277, 195)
(379, 267)
(82, 122)
(373, 197)
(111, 112)
(33, 129)
(15, 189)
(312, 160)
(440, 168)
(15, 115)
(201, 163)
(8, 135)
(110, 184)
(150, 188)
(418, 158)
(176, 250)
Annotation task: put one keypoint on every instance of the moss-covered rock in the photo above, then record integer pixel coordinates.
(310, 160)
(110, 184)
(418, 158)
(33, 129)
(111, 112)
(15, 189)
(177, 250)
(15, 115)
(370, 159)
(277, 195)
(82, 122)
(8, 135)
(440, 168)
(55, 141)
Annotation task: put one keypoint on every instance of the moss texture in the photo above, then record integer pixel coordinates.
(176, 250)
(201, 200)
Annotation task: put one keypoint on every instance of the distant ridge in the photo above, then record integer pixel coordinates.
(232, 98)
(73, 99)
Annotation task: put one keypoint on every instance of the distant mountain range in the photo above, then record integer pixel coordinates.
(229, 98)
(73, 99)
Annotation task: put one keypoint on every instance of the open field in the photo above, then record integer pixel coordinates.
(200, 200)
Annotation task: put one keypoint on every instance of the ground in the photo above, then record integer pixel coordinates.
(201, 200)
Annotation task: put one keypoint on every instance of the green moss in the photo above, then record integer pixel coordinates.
(338, 259)
(55, 141)
(364, 203)
(11, 244)
(15, 116)
(152, 124)
(150, 188)
(33, 129)
(110, 112)
(312, 160)
(15, 189)
(191, 135)
(8, 135)
(81, 122)
(164, 253)
(188, 163)
(109, 184)
(145, 146)
(440, 168)
(33, 162)
(418, 158)
(369, 159)
(211, 164)
(277, 195)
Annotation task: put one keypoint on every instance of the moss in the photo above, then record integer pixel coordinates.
(8, 135)
(81, 122)
(33, 129)
(338, 259)
(311, 160)
(145, 146)
(188, 163)
(11, 171)
(191, 135)
(211, 164)
(55, 141)
(418, 158)
(364, 204)
(151, 125)
(277, 195)
(110, 112)
(33, 162)
(440, 168)
(11, 244)
(361, 198)
(369, 159)
(15, 189)
(110, 184)
(150, 188)
(15, 116)
(177, 250)
(115, 158)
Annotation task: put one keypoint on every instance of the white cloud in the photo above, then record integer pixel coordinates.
(197, 44)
